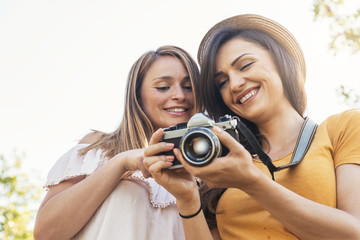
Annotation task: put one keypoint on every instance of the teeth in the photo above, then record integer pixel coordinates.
(247, 96)
(176, 110)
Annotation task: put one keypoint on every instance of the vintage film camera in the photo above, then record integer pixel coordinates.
(196, 141)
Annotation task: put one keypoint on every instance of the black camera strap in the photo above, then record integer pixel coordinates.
(303, 143)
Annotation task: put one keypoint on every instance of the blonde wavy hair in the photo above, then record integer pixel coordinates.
(135, 128)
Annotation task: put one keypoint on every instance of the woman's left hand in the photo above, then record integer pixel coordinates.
(180, 183)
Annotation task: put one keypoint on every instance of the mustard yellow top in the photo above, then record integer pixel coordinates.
(337, 142)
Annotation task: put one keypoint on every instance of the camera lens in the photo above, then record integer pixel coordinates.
(199, 146)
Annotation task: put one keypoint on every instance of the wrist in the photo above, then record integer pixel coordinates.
(119, 162)
(189, 205)
(255, 181)
(192, 215)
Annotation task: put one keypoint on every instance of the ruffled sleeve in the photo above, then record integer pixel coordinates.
(71, 165)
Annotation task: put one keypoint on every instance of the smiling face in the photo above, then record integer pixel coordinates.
(166, 93)
(248, 80)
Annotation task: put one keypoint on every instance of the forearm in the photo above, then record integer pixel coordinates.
(303, 217)
(195, 227)
(65, 214)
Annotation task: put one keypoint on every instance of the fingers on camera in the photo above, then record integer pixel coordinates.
(156, 137)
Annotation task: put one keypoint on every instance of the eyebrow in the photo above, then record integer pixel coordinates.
(162, 77)
(169, 78)
(238, 58)
(233, 62)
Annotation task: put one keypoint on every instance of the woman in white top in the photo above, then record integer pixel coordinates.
(97, 189)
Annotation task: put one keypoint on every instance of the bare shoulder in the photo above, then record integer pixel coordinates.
(91, 137)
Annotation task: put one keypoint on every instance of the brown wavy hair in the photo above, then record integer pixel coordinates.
(290, 75)
(135, 128)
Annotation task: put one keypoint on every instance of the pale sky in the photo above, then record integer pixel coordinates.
(63, 64)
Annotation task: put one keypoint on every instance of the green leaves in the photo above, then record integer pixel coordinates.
(344, 23)
(349, 96)
(344, 26)
(18, 200)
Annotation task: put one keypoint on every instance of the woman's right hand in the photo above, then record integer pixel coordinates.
(236, 169)
(180, 183)
(132, 160)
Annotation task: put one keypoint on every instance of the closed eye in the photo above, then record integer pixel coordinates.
(246, 66)
(188, 87)
(222, 83)
(162, 88)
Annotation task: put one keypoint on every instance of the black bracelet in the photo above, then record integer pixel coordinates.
(192, 215)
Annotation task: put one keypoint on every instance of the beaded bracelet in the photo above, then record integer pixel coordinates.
(192, 215)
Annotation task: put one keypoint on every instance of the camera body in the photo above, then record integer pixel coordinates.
(196, 141)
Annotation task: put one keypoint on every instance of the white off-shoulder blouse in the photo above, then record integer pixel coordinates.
(136, 209)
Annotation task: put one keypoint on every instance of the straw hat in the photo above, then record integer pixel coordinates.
(257, 22)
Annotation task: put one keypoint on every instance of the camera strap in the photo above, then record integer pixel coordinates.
(303, 143)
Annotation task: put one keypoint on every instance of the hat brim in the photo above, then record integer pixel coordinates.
(260, 23)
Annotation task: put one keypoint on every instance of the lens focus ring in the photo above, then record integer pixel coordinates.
(199, 146)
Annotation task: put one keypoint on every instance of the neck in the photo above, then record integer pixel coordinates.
(281, 133)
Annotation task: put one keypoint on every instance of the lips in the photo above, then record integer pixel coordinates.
(246, 95)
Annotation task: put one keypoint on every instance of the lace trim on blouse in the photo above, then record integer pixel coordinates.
(157, 192)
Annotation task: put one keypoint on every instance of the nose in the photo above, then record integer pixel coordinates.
(178, 93)
(236, 82)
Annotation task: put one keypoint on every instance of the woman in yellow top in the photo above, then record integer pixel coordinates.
(252, 67)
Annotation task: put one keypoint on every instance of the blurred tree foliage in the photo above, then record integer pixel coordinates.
(18, 200)
(344, 23)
